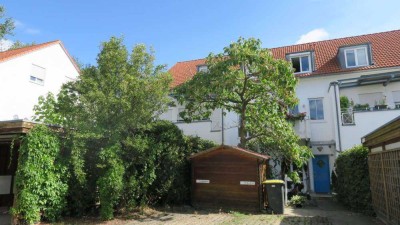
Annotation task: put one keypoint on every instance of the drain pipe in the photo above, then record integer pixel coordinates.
(222, 127)
(335, 85)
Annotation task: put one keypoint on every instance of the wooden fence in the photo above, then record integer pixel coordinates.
(384, 172)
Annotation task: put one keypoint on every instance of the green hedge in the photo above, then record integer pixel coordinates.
(351, 181)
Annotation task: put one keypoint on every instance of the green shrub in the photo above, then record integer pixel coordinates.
(297, 200)
(344, 102)
(351, 182)
(40, 178)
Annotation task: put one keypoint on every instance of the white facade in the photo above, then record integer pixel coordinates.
(210, 129)
(327, 136)
(26, 77)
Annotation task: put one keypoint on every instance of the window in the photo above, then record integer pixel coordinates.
(316, 109)
(294, 110)
(202, 68)
(301, 62)
(38, 75)
(371, 98)
(356, 57)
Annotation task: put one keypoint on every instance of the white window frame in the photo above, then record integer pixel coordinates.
(323, 108)
(202, 68)
(356, 56)
(34, 78)
(299, 55)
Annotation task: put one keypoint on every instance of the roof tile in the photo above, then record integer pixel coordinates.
(385, 53)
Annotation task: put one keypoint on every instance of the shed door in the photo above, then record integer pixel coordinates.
(322, 180)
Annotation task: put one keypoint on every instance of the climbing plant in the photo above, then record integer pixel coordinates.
(40, 177)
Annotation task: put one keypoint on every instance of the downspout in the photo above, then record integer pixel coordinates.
(335, 84)
(222, 127)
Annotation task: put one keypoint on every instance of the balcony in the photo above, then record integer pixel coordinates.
(360, 123)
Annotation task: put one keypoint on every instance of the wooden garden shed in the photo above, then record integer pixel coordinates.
(384, 170)
(228, 177)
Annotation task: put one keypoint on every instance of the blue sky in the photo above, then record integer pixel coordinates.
(184, 30)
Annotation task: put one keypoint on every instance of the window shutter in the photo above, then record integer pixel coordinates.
(370, 98)
(341, 58)
(38, 72)
(369, 52)
(312, 55)
(396, 96)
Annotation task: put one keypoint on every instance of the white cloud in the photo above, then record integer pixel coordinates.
(314, 35)
(25, 28)
(5, 44)
(18, 23)
(32, 31)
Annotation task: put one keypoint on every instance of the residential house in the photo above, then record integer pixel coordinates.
(25, 74)
(29, 72)
(365, 69)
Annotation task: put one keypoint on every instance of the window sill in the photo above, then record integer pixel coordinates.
(354, 67)
(318, 121)
(194, 121)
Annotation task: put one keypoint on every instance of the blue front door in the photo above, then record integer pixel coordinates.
(322, 180)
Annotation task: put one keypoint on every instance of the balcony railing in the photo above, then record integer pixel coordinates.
(348, 118)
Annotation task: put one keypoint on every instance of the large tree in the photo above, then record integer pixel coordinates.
(6, 23)
(246, 79)
(103, 114)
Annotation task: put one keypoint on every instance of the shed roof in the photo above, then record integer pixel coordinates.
(384, 133)
(241, 150)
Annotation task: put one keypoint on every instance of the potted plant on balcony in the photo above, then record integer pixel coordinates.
(297, 116)
(381, 104)
(361, 107)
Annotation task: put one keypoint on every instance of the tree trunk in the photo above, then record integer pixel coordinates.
(242, 130)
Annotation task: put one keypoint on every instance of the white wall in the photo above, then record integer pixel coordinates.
(208, 129)
(18, 94)
(365, 122)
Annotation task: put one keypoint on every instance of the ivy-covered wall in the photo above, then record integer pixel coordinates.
(148, 167)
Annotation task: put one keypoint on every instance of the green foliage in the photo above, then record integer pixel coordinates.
(361, 107)
(40, 177)
(344, 102)
(19, 44)
(297, 200)
(351, 182)
(6, 24)
(247, 80)
(46, 111)
(294, 176)
(119, 154)
(111, 183)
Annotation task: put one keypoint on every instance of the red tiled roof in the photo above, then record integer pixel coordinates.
(10, 54)
(385, 53)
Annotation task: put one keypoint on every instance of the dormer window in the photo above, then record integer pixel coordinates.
(356, 57)
(202, 68)
(301, 62)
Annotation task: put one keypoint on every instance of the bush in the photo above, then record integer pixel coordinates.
(40, 178)
(148, 167)
(351, 182)
(344, 102)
